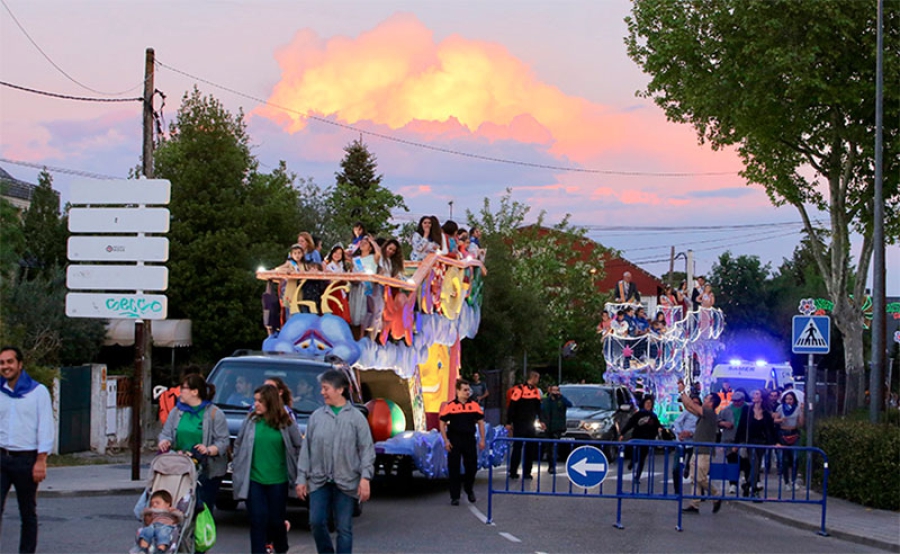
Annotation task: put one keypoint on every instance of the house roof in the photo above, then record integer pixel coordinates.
(15, 188)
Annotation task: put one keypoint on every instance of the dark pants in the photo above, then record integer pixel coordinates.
(522, 431)
(331, 501)
(16, 471)
(208, 490)
(266, 505)
(640, 457)
(465, 449)
(557, 450)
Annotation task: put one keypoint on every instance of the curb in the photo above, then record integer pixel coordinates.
(83, 493)
(843, 535)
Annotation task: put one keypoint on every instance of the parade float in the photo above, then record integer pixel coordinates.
(406, 357)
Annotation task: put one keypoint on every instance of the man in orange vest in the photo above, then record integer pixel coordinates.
(458, 420)
(524, 408)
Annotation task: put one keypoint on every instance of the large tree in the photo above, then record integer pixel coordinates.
(12, 242)
(44, 229)
(358, 194)
(790, 84)
(227, 220)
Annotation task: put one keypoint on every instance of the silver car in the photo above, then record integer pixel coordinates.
(598, 412)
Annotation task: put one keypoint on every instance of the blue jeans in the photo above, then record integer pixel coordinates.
(266, 504)
(156, 534)
(16, 471)
(331, 501)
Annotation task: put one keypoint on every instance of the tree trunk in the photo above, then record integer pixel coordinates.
(848, 319)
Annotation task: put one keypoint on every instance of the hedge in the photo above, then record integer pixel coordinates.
(864, 461)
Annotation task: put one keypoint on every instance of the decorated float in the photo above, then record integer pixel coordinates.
(405, 351)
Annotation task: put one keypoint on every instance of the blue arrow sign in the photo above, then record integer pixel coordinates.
(811, 334)
(587, 466)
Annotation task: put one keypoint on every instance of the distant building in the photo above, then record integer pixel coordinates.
(17, 192)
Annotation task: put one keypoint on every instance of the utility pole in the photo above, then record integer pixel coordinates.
(140, 410)
(451, 209)
(689, 269)
(671, 264)
(879, 329)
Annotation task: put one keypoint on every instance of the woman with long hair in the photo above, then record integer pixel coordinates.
(198, 428)
(391, 259)
(646, 426)
(757, 428)
(336, 261)
(427, 238)
(266, 452)
(790, 419)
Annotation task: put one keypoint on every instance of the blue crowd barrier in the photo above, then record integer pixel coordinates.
(747, 466)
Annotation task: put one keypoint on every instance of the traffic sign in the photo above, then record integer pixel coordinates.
(116, 306)
(811, 334)
(92, 248)
(119, 220)
(117, 277)
(587, 466)
(120, 191)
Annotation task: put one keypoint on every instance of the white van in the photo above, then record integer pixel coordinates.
(751, 375)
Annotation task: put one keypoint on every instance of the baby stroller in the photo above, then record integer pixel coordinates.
(176, 474)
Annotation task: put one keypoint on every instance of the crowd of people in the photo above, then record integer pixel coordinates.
(365, 254)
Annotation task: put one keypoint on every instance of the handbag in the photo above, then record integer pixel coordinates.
(790, 439)
(204, 530)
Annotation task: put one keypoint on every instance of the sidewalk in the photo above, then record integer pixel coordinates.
(843, 519)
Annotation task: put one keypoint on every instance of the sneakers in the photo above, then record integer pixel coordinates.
(454, 501)
(732, 489)
(513, 476)
(472, 498)
(138, 550)
(690, 510)
(717, 505)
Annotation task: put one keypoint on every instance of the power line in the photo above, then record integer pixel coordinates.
(67, 96)
(53, 169)
(440, 149)
(707, 241)
(58, 68)
(685, 228)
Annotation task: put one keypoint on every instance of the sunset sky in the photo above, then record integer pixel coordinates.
(544, 83)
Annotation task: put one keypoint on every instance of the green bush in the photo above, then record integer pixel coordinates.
(864, 461)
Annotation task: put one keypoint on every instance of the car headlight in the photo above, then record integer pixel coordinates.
(595, 427)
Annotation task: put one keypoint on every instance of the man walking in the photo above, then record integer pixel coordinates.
(707, 426)
(553, 416)
(524, 408)
(479, 388)
(26, 438)
(458, 420)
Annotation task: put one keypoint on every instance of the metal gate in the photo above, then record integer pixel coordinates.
(75, 409)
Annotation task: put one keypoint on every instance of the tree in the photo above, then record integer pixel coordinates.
(44, 229)
(227, 220)
(790, 84)
(12, 242)
(358, 194)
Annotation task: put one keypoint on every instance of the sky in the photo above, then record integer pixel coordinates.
(439, 90)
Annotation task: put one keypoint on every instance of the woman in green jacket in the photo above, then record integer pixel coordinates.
(265, 463)
(198, 428)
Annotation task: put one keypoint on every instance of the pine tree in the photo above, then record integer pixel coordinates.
(45, 231)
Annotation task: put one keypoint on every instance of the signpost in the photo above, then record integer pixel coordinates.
(811, 334)
(587, 466)
(117, 210)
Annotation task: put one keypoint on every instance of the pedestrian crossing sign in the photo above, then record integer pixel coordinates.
(811, 334)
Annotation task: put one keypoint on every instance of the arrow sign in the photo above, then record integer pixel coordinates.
(587, 466)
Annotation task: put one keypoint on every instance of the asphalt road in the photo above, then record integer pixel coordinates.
(422, 520)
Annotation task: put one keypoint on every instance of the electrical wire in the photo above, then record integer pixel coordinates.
(58, 68)
(67, 96)
(440, 149)
(53, 169)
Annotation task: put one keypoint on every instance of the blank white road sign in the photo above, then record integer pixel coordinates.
(118, 249)
(120, 191)
(116, 306)
(117, 277)
(119, 220)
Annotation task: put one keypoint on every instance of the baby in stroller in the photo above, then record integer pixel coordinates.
(161, 522)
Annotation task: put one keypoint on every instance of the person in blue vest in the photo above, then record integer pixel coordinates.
(458, 420)
(26, 438)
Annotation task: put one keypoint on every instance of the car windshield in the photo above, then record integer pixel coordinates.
(593, 398)
(236, 380)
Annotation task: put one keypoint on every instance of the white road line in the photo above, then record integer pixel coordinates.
(509, 537)
(477, 513)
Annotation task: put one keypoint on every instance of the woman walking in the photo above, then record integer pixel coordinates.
(198, 428)
(265, 462)
(337, 463)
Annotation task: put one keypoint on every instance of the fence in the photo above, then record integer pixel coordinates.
(626, 462)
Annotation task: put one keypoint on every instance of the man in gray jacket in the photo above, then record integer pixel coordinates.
(336, 464)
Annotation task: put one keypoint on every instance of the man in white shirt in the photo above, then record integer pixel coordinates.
(26, 438)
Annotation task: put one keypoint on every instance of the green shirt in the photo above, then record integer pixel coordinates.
(190, 431)
(269, 464)
(336, 409)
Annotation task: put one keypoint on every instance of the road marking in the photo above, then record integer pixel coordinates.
(477, 513)
(509, 537)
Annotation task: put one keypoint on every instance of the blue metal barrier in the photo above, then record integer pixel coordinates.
(624, 480)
